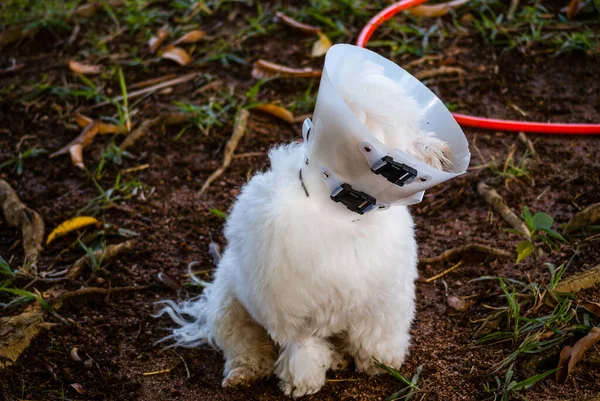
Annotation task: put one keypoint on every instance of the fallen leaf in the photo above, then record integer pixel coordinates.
(575, 354)
(103, 128)
(12, 34)
(169, 281)
(17, 332)
(588, 216)
(76, 146)
(71, 225)
(443, 70)
(82, 121)
(307, 29)
(74, 355)
(592, 307)
(155, 41)
(574, 8)
(265, 69)
(177, 54)
(277, 111)
(580, 281)
(190, 37)
(87, 10)
(321, 46)
(436, 10)
(459, 304)
(85, 69)
(79, 388)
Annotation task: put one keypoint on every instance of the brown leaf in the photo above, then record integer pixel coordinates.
(265, 69)
(76, 146)
(79, 68)
(435, 72)
(156, 41)
(574, 8)
(169, 281)
(79, 388)
(321, 46)
(307, 29)
(436, 10)
(74, 355)
(103, 128)
(459, 304)
(17, 332)
(277, 111)
(82, 121)
(575, 354)
(563, 364)
(178, 55)
(592, 307)
(89, 9)
(190, 37)
(580, 281)
(588, 216)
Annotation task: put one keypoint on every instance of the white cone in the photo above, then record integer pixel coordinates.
(369, 108)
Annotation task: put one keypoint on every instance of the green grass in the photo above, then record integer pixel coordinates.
(17, 162)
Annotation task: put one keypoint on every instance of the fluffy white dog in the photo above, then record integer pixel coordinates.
(296, 288)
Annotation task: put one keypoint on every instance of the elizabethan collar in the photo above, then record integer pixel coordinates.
(381, 177)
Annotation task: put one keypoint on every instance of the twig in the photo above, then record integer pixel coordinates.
(105, 254)
(497, 203)
(442, 274)
(167, 119)
(444, 70)
(62, 298)
(239, 129)
(513, 7)
(463, 252)
(162, 85)
(29, 221)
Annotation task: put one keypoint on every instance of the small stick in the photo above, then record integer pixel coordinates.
(162, 85)
(239, 129)
(497, 203)
(167, 119)
(29, 221)
(442, 274)
(444, 70)
(464, 251)
(110, 252)
(60, 300)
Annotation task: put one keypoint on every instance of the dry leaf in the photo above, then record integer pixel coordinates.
(71, 225)
(574, 8)
(592, 307)
(580, 281)
(74, 355)
(436, 10)
(265, 69)
(79, 388)
(76, 146)
(85, 69)
(82, 121)
(443, 70)
(17, 332)
(177, 54)
(190, 37)
(169, 281)
(89, 9)
(588, 216)
(459, 304)
(307, 29)
(155, 41)
(569, 357)
(321, 46)
(277, 111)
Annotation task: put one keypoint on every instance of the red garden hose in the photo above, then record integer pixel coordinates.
(472, 121)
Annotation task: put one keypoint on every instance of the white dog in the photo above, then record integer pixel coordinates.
(296, 288)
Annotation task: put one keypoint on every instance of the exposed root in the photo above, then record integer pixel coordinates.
(497, 203)
(29, 221)
(464, 252)
(442, 274)
(105, 254)
(239, 129)
(165, 119)
(83, 292)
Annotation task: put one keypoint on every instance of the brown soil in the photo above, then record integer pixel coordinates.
(174, 223)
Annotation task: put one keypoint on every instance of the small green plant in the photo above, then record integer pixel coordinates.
(218, 213)
(409, 386)
(17, 162)
(540, 231)
(95, 263)
(508, 389)
(5, 269)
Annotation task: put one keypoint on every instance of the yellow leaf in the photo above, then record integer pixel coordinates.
(276, 111)
(71, 225)
(178, 55)
(190, 37)
(321, 45)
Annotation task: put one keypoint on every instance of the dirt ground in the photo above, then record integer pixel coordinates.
(174, 223)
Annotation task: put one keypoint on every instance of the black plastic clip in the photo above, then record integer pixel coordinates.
(356, 201)
(394, 172)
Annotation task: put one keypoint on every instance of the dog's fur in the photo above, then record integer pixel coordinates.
(297, 289)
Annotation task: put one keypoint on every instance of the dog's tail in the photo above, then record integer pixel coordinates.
(192, 317)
